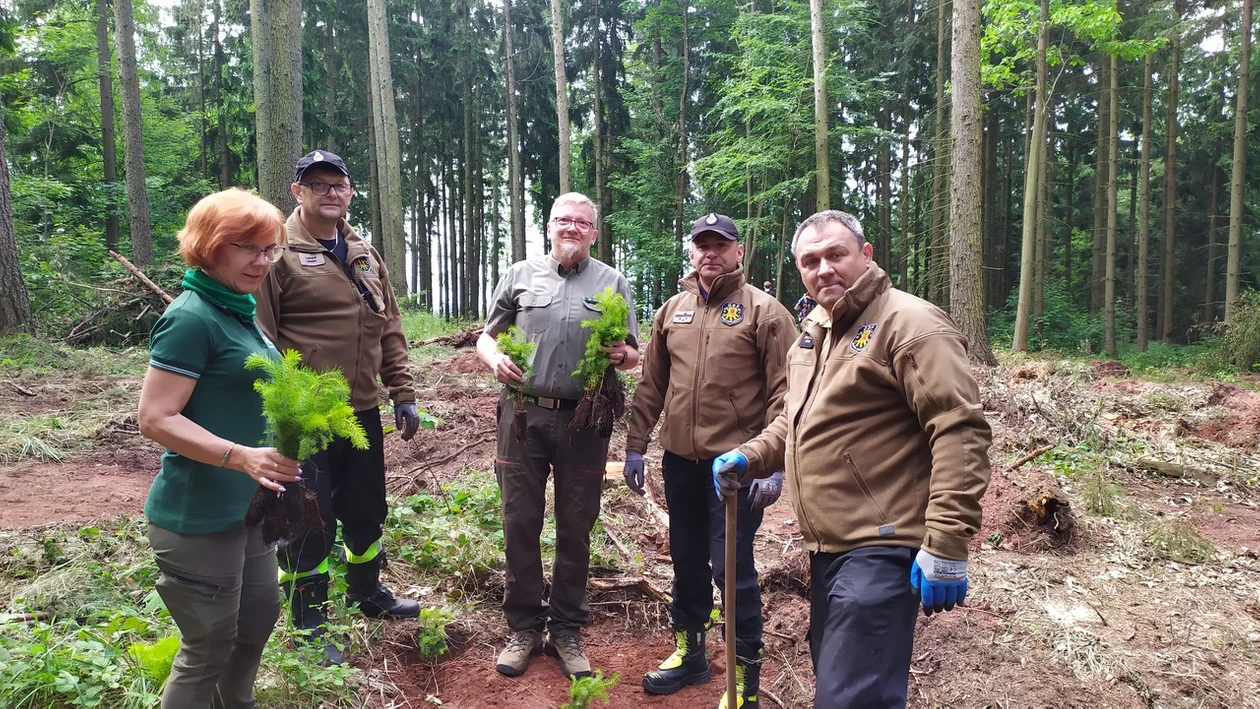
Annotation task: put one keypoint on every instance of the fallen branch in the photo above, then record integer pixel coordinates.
(621, 546)
(628, 584)
(1175, 470)
(166, 298)
(463, 338)
(21, 390)
(1031, 456)
(22, 617)
(485, 437)
(654, 508)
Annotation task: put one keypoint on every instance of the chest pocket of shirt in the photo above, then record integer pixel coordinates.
(532, 317)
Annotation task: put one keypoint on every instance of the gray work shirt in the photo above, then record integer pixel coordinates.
(548, 303)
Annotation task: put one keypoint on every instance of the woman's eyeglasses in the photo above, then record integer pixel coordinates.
(271, 253)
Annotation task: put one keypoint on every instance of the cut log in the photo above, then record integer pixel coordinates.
(629, 584)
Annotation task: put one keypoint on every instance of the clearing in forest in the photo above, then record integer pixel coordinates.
(1117, 565)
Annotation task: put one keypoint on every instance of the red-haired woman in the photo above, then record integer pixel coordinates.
(218, 577)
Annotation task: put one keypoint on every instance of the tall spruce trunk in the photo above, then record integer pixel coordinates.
(562, 91)
(1213, 250)
(225, 167)
(388, 156)
(133, 136)
(1141, 313)
(601, 142)
(15, 302)
(276, 28)
(1237, 183)
(472, 247)
(989, 213)
(822, 178)
(681, 196)
(1113, 139)
(966, 281)
(1032, 175)
(1170, 185)
(109, 154)
(1043, 219)
(933, 250)
(884, 188)
(201, 84)
(330, 83)
(516, 201)
(1097, 255)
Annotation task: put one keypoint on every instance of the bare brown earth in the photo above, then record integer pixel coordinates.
(1073, 609)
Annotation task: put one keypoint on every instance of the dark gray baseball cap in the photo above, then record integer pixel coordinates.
(718, 224)
(319, 157)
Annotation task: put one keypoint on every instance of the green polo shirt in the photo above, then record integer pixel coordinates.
(196, 339)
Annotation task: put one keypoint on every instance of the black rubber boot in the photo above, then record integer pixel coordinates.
(686, 666)
(747, 685)
(308, 597)
(364, 590)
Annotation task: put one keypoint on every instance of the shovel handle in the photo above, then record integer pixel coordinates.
(728, 600)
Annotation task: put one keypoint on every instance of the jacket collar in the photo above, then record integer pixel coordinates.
(723, 285)
(301, 240)
(856, 299)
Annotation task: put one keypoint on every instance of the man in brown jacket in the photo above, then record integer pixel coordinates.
(329, 298)
(715, 364)
(886, 448)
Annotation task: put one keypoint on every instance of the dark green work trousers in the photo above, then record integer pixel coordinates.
(576, 458)
(221, 591)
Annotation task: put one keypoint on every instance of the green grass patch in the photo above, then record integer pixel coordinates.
(1178, 541)
(422, 325)
(23, 354)
(81, 625)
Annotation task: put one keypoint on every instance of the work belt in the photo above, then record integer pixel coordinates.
(547, 402)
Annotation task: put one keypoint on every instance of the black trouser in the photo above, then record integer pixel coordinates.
(350, 486)
(697, 538)
(861, 626)
(576, 458)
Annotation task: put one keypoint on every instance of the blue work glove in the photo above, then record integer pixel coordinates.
(941, 583)
(634, 471)
(764, 492)
(406, 419)
(727, 468)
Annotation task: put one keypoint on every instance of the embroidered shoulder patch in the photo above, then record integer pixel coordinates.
(862, 338)
(807, 341)
(732, 313)
(363, 264)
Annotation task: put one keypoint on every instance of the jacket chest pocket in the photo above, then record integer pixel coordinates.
(532, 316)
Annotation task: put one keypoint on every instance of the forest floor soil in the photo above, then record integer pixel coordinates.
(1119, 568)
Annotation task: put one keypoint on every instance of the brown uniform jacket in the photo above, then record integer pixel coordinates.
(338, 316)
(883, 431)
(715, 366)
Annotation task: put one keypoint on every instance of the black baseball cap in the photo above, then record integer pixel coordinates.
(718, 224)
(319, 157)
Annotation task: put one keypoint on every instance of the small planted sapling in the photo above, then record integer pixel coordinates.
(603, 390)
(521, 351)
(305, 411)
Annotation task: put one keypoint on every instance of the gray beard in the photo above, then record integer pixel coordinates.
(569, 253)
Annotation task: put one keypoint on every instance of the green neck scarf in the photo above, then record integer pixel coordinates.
(203, 285)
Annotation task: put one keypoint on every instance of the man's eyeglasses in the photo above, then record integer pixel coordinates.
(321, 188)
(271, 253)
(579, 224)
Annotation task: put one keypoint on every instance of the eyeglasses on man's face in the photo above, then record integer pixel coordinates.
(321, 188)
(579, 224)
(271, 253)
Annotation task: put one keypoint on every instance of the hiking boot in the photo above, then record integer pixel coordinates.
(747, 685)
(686, 666)
(566, 646)
(523, 645)
(308, 597)
(364, 590)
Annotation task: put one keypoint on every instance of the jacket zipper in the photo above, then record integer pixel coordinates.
(857, 475)
(695, 386)
(805, 407)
